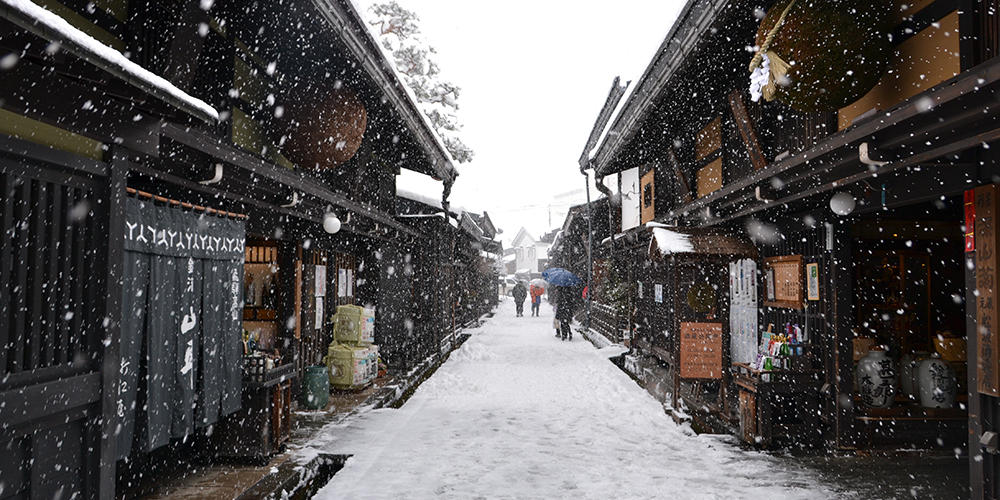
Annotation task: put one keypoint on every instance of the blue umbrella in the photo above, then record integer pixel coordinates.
(560, 277)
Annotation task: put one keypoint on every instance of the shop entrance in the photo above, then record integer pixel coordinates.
(908, 327)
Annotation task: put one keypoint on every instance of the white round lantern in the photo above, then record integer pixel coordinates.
(842, 203)
(331, 223)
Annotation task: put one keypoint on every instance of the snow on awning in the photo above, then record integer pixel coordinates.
(53, 28)
(697, 241)
(669, 242)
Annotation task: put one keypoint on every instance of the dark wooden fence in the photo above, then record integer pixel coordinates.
(607, 321)
(54, 305)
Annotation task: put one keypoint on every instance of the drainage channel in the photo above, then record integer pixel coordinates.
(297, 481)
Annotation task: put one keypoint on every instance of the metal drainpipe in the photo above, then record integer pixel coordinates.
(590, 249)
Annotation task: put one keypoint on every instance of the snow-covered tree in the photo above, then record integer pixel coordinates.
(400, 34)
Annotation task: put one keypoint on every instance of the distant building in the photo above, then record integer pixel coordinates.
(530, 256)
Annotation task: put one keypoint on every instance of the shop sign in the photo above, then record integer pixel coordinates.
(783, 277)
(812, 281)
(701, 350)
(987, 310)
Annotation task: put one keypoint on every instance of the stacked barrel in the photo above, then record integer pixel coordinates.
(352, 359)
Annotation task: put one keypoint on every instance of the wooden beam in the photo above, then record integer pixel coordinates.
(973, 82)
(745, 125)
(114, 259)
(682, 182)
(296, 179)
(34, 402)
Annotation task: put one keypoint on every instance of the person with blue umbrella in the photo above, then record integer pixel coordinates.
(566, 298)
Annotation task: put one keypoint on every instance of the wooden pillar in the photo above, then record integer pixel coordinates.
(842, 296)
(110, 353)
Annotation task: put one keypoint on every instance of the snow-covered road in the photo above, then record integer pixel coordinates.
(516, 413)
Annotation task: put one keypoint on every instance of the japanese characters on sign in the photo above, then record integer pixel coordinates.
(986, 280)
(701, 350)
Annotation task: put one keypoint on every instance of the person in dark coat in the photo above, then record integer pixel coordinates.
(565, 307)
(520, 293)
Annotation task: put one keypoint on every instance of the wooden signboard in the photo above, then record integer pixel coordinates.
(710, 178)
(987, 307)
(701, 350)
(709, 139)
(745, 126)
(647, 197)
(787, 271)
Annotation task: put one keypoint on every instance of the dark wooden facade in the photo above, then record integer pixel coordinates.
(75, 132)
(907, 166)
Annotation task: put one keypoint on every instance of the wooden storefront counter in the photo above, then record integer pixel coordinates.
(778, 408)
(261, 427)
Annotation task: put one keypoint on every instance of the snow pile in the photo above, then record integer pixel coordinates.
(515, 413)
(671, 242)
(84, 45)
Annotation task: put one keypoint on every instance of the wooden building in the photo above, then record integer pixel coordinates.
(862, 193)
(160, 173)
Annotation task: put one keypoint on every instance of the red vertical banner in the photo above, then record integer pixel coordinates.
(970, 220)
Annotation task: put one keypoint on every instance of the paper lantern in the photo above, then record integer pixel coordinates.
(842, 203)
(331, 223)
(821, 55)
(327, 129)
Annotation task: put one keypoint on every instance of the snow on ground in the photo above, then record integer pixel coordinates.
(516, 413)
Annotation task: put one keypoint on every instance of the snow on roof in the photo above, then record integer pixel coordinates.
(424, 189)
(419, 197)
(671, 242)
(611, 120)
(56, 29)
(510, 257)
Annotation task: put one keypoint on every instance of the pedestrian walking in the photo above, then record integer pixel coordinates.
(565, 307)
(520, 293)
(536, 299)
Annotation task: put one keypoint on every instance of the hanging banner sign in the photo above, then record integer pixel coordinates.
(182, 303)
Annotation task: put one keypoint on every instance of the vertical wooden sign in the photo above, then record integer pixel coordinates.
(647, 199)
(987, 310)
(747, 133)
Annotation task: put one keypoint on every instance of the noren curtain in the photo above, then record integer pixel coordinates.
(181, 344)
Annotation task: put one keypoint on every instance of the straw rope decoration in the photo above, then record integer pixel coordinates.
(778, 67)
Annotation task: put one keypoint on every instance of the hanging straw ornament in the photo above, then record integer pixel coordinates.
(820, 55)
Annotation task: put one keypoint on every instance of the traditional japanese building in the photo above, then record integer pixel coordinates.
(189, 191)
(858, 198)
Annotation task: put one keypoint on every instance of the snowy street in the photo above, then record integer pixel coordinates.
(517, 413)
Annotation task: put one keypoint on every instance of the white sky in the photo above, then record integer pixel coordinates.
(534, 75)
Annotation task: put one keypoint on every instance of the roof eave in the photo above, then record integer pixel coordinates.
(355, 35)
(653, 80)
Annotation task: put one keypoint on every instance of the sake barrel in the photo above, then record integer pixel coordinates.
(327, 128)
